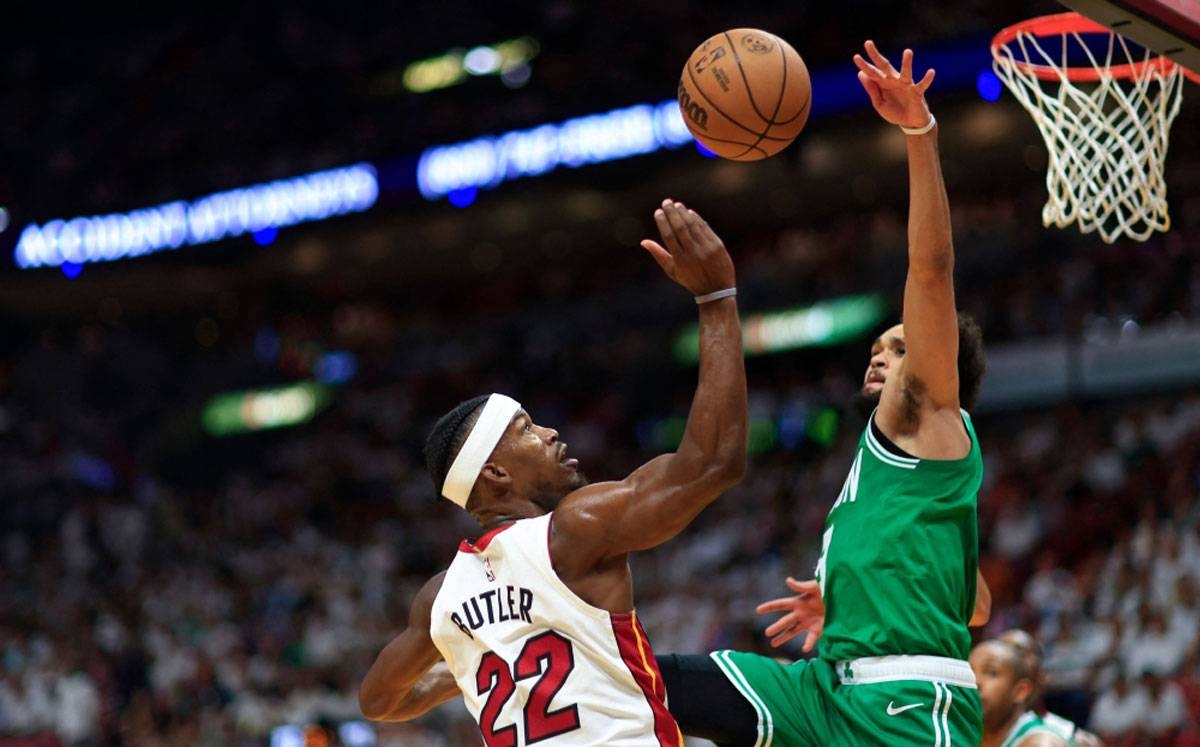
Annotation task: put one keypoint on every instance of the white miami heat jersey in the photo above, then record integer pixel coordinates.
(535, 663)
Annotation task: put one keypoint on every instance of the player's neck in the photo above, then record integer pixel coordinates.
(996, 737)
(492, 519)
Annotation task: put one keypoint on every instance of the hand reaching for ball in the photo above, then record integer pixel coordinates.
(691, 254)
(894, 94)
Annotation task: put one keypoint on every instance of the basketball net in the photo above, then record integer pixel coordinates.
(1106, 123)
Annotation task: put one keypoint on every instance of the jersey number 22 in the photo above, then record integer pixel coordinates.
(548, 655)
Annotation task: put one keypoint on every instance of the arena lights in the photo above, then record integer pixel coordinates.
(789, 429)
(488, 161)
(825, 323)
(259, 209)
(452, 68)
(258, 410)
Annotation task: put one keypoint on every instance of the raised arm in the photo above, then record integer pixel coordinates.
(930, 318)
(658, 500)
(408, 678)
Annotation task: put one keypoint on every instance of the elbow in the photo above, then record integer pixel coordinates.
(983, 613)
(980, 618)
(375, 706)
(730, 469)
(935, 266)
(736, 470)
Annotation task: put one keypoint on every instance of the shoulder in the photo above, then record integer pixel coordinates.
(1042, 739)
(587, 511)
(929, 432)
(584, 526)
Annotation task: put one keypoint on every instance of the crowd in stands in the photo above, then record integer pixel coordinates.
(163, 587)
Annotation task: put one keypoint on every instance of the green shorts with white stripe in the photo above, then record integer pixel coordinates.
(886, 700)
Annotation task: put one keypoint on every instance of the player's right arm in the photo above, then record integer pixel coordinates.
(660, 498)
(408, 679)
(930, 388)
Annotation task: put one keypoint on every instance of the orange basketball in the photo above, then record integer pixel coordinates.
(745, 94)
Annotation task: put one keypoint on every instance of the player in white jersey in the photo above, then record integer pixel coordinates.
(534, 620)
(1027, 646)
(1007, 688)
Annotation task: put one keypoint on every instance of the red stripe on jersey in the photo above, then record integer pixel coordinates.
(481, 544)
(639, 659)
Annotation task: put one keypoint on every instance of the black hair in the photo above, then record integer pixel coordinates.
(447, 437)
(972, 362)
(972, 365)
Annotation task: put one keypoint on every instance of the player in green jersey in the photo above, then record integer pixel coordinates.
(1007, 688)
(897, 580)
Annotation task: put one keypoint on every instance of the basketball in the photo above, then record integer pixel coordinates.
(745, 94)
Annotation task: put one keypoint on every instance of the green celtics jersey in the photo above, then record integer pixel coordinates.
(1029, 723)
(899, 554)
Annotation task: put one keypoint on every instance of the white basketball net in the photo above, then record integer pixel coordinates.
(1107, 140)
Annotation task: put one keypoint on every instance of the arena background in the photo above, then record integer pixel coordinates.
(184, 568)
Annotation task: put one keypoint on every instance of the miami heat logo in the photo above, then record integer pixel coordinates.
(757, 44)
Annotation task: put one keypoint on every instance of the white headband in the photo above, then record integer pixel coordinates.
(493, 421)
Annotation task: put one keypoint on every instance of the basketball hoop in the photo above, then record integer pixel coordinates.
(1105, 117)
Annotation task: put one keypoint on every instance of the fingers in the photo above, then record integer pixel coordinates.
(779, 640)
(881, 69)
(781, 636)
(811, 586)
(877, 57)
(699, 228)
(775, 605)
(787, 622)
(927, 81)
(661, 256)
(677, 217)
(872, 88)
(666, 229)
(809, 643)
(866, 67)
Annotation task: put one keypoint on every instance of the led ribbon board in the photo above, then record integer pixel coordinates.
(825, 323)
(487, 161)
(286, 202)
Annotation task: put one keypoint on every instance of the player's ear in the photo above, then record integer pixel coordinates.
(495, 475)
(1023, 691)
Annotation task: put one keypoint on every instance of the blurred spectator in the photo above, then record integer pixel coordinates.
(1120, 710)
(1167, 713)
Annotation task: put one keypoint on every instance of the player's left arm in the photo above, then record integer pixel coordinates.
(930, 316)
(983, 603)
(408, 678)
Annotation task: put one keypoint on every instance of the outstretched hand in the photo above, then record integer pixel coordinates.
(690, 253)
(805, 614)
(894, 94)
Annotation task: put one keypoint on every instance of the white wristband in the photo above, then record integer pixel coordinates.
(920, 130)
(716, 295)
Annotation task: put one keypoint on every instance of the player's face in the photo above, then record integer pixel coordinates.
(538, 462)
(995, 674)
(887, 354)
